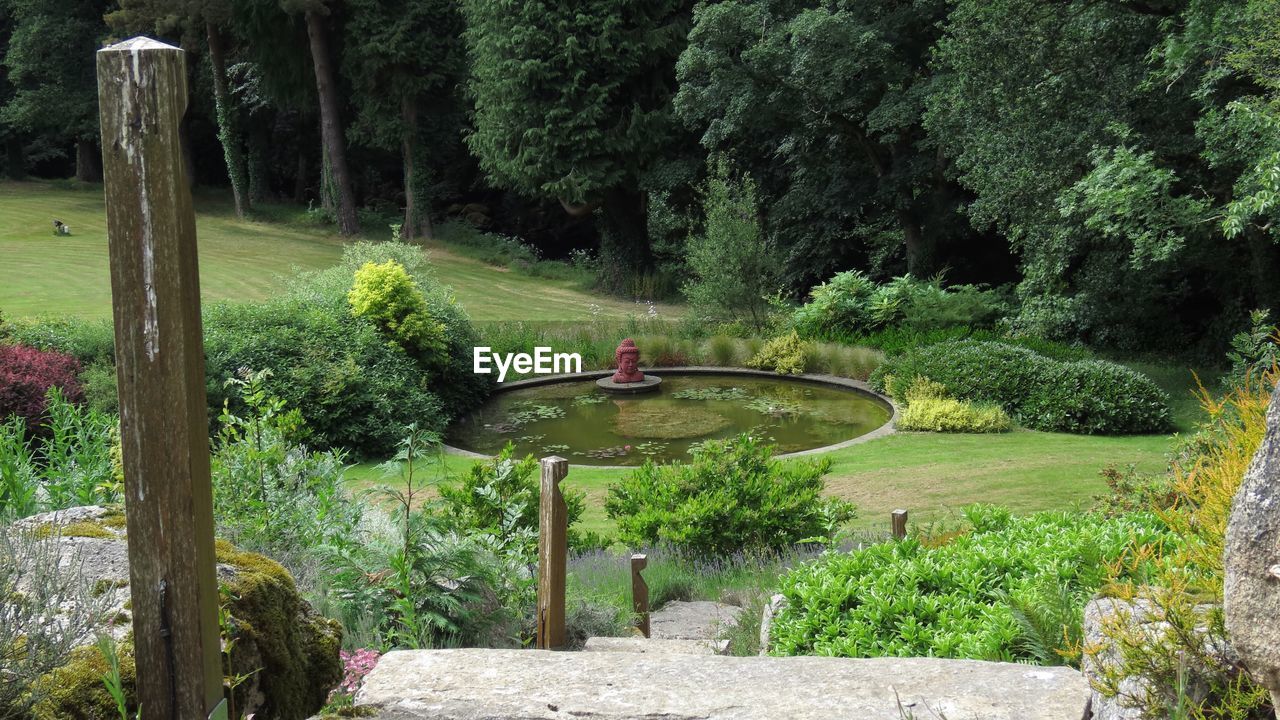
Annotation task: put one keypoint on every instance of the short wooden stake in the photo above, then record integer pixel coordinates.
(164, 427)
(553, 554)
(640, 593)
(899, 522)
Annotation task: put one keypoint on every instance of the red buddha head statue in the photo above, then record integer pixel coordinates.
(628, 358)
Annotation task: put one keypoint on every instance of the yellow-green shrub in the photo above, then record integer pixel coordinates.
(785, 354)
(929, 409)
(950, 415)
(386, 295)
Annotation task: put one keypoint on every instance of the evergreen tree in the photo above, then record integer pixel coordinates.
(573, 102)
(404, 59)
(50, 63)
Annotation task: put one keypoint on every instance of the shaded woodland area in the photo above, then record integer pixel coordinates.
(1115, 163)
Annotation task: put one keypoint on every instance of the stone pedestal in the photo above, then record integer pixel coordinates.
(649, 384)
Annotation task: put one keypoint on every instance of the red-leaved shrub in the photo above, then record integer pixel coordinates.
(26, 374)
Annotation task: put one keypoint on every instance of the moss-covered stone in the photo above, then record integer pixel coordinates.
(106, 585)
(289, 653)
(75, 690)
(86, 529)
(298, 649)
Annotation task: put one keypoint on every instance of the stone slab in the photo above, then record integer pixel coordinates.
(478, 684)
(660, 647)
(698, 620)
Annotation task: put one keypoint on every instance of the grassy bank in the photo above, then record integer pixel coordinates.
(239, 260)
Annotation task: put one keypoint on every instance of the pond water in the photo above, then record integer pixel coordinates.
(579, 421)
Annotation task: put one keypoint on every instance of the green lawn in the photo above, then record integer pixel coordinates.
(932, 475)
(239, 260)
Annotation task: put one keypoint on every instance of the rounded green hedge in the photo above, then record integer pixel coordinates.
(1041, 393)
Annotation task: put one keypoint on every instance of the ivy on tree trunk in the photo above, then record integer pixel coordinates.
(228, 125)
(337, 174)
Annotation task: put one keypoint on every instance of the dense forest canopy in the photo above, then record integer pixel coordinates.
(1116, 162)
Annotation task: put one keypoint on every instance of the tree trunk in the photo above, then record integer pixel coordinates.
(624, 240)
(919, 246)
(417, 205)
(228, 126)
(331, 125)
(15, 163)
(87, 161)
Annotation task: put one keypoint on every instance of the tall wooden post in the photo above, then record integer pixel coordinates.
(553, 554)
(899, 522)
(640, 593)
(142, 96)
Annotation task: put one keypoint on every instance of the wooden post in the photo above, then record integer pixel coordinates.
(640, 592)
(553, 554)
(899, 522)
(164, 429)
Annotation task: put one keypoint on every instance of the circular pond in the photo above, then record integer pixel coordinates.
(575, 419)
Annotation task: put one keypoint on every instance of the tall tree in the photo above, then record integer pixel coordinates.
(573, 102)
(15, 163)
(335, 174)
(404, 59)
(1112, 142)
(198, 24)
(50, 62)
(824, 102)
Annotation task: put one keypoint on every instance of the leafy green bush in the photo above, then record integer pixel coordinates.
(929, 409)
(733, 496)
(851, 304)
(731, 246)
(70, 464)
(1095, 397)
(385, 295)
(499, 498)
(91, 342)
(354, 390)
(1091, 396)
(785, 354)
(1254, 351)
(271, 493)
(968, 598)
(408, 580)
(450, 377)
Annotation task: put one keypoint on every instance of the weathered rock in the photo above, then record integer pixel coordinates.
(771, 610)
(699, 620)
(1142, 620)
(291, 652)
(1251, 591)
(528, 684)
(657, 647)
